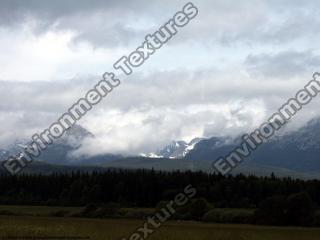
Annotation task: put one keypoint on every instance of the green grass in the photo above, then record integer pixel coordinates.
(115, 229)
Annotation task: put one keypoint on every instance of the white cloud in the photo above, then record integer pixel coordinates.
(235, 64)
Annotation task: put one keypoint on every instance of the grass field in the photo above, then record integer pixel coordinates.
(15, 226)
(36, 210)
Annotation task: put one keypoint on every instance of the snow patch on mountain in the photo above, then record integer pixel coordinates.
(176, 149)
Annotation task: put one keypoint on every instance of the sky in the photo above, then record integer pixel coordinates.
(223, 74)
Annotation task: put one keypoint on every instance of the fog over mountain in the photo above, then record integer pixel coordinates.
(221, 76)
(292, 153)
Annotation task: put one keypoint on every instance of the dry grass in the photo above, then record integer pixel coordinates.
(115, 229)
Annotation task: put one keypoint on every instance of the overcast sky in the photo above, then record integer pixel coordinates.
(223, 74)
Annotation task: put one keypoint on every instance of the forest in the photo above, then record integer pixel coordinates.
(237, 199)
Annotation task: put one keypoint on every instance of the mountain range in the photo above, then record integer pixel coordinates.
(176, 149)
(61, 151)
(298, 150)
(295, 153)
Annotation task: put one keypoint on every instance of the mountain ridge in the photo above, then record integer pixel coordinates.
(296, 151)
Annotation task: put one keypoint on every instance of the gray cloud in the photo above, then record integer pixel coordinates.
(283, 64)
(99, 22)
(235, 64)
(113, 23)
(146, 111)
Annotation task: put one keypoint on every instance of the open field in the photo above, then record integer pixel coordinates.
(49, 211)
(114, 229)
(35, 210)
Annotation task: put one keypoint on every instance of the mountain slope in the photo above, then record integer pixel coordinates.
(60, 152)
(297, 151)
(176, 149)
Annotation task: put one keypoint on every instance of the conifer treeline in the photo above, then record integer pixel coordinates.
(145, 188)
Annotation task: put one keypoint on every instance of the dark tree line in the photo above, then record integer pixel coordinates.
(145, 188)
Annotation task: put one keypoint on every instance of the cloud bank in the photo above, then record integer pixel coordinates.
(221, 76)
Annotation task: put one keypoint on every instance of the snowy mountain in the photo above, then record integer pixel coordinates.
(176, 149)
(298, 150)
(60, 152)
(4, 154)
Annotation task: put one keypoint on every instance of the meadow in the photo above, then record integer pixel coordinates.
(23, 227)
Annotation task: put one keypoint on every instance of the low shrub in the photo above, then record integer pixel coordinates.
(317, 219)
(198, 208)
(137, 214)
(6, 212)
(59, 213)
(241, 216)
